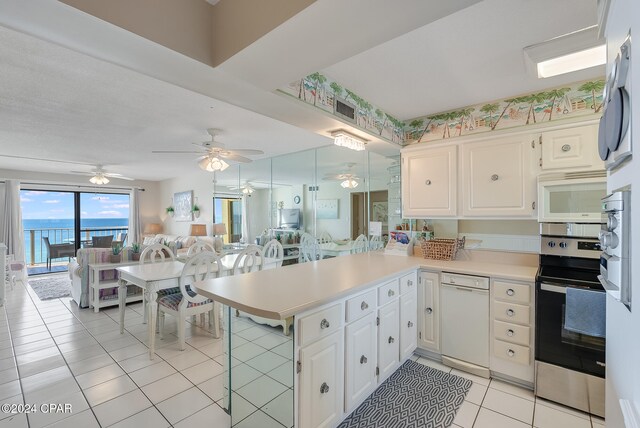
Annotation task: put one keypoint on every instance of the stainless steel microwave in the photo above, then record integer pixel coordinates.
(571, 198)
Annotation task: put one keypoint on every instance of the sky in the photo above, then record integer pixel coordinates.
(59, 205)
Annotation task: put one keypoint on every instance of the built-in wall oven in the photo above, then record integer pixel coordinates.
(570, 318)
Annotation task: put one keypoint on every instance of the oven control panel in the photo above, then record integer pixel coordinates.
(570, 247)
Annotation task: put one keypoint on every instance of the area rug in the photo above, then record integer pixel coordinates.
(52, 287)
(414, 396)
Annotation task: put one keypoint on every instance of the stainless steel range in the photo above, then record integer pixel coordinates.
(570, 318)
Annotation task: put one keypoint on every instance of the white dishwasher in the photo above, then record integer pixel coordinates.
(464, 301)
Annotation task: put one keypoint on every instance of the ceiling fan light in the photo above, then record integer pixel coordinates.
(344, 139)
(349, 183)
(212, 164)
(247, 190)
(99, 179)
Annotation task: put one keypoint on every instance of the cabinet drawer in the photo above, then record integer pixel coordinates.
(512, 352)
(408, 283)
(512, 333)
(511, 292)
(465, 280)
(511, 312)
(388, 292)
(361, 305)
(320, 324)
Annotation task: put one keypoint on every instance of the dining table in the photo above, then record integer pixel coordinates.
(153, 277)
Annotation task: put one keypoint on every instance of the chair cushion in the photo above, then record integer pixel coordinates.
(172, 301)
(166, 291)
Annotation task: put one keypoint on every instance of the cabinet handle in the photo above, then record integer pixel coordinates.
(451, 280)
(363, 360)
(510, 333)
(510, 312)
(324, 324)
(409, 283)
(429, 310)
(566, 147)
(510, 292)
(494, 177)
(364, 305)
(409, 324)
(511, 353)
(324, 388)
(533, 205)
(428, 182)
(391, 293)
(391, 339)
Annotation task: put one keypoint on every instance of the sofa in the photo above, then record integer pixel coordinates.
(178, 244)
(79, 272)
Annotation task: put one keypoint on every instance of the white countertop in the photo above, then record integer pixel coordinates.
(291, 290)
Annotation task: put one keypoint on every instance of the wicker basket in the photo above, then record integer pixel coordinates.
(442, 249)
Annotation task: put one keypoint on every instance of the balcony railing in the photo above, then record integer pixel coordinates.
(36, 251)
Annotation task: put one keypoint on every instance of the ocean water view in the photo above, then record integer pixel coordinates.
(60, 231)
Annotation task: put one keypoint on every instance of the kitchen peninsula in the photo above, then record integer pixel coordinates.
(357, 318)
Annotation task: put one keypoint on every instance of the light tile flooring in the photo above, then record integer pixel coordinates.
(52, 352)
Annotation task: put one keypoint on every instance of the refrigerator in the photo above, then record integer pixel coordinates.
(623, 325)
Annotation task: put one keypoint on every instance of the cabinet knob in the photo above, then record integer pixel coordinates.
(429, 310)
(391, 293)
(511, 353)
(510, 312)
(494, 177)
(566, 147)
(364, 305)
(324, 388)
(428, 182)
(409, 324)
(410, 283)
(510, 333)
(363, 360)
(510, 292)
(391, 339)
(324, 323)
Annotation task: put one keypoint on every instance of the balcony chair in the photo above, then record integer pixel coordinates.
(120, 239)
(58, 251)
(188, 303)
(101, 241)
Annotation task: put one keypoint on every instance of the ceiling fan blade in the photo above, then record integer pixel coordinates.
(234, 157)
(120, 177)
(246, 151)
(177, 151)
(82, 173)
(43, 160)
(111, 174)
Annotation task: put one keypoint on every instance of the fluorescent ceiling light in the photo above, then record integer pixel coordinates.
(343, 138)
(573, 62)
(571, 52)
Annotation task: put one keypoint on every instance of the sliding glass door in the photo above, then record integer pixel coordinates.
(228, 210)
(104, 214)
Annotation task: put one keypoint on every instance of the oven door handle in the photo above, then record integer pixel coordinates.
(553, 288)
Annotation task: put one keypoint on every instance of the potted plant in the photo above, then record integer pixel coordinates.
(135, 252)
(195, 210)
(171, 211)
(115, 256)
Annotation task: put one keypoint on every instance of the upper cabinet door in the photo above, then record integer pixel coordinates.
(498, 178)
(429, 182)
(573, 148)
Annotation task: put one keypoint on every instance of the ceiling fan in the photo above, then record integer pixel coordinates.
(348, 179)
(101, 176)
(246, 189)
(215, 155)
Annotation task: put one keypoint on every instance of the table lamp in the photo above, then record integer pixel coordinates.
(198, 230)
(152, 229)
(219, 229)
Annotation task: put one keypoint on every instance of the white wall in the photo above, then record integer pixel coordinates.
(623, 346)
(339, 228)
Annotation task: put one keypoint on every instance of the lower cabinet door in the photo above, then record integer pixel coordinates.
(388, 339)
(360, 364)
(321, 382)
(408, 321)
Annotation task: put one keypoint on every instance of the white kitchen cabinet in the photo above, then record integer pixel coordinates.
(429, 182)
(321, 386)
(569, 149)
(408, 324)
(498, 177)
(360, 360)
(428, 311)
(388, 339)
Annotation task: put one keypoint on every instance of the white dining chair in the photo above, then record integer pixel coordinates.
(187, 302)
(273, 254)
(375, 243)
(199, 247)
(249, 260)
(360, 245)
(310, 249)
(157, 253)
(325, 237)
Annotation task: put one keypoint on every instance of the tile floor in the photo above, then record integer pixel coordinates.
(52, 352)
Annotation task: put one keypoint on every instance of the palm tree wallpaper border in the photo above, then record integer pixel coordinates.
(321, 92)
(577, 99)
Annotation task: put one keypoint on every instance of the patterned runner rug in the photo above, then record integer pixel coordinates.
(414, 396)
(52, 287)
